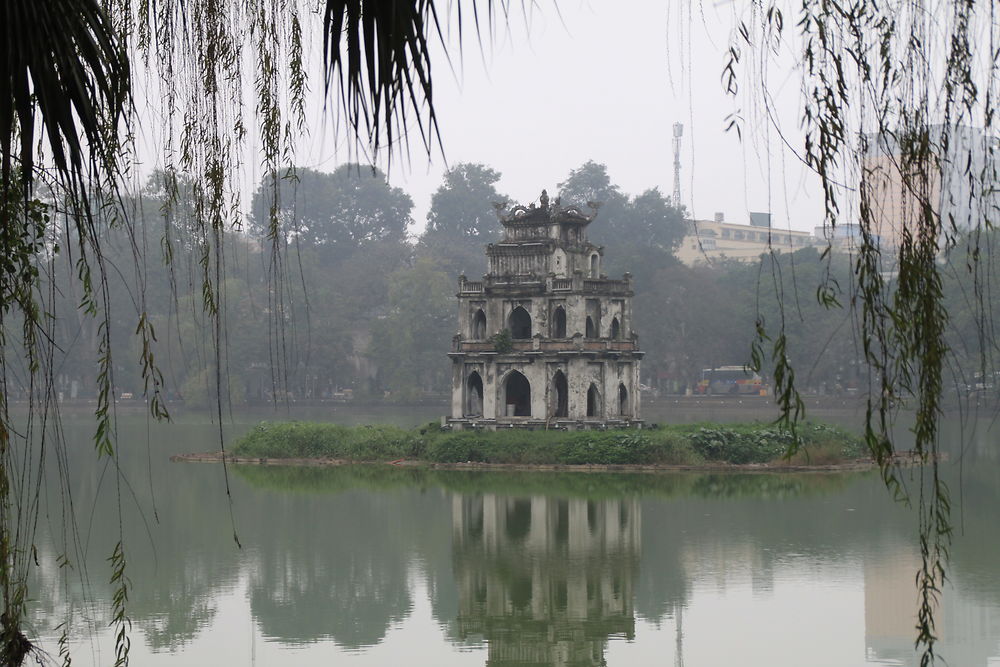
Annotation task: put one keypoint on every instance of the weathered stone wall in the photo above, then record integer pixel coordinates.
(607, 375)
(545, 262)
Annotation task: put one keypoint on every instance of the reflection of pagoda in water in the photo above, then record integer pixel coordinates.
(545, 580)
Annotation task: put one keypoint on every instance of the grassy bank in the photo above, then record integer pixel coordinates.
(689, 444)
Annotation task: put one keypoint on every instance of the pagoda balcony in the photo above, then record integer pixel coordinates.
(470, 286)
(605, 286)
(545, 284)
(549, 345)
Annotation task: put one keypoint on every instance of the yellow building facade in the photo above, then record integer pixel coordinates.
(708, 241)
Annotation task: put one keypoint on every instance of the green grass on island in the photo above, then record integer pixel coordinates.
(688, 444)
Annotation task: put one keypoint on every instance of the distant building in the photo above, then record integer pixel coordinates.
(845, 238)
(545, 339)
(711, 240)
(960, 183)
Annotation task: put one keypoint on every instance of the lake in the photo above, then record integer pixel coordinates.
(378, 565)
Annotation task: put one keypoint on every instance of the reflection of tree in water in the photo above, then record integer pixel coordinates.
(333, 571)
(977, 543)
(542, 565)
(177, 569)
(545, 580)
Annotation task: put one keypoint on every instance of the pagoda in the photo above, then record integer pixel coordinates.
(545, 339)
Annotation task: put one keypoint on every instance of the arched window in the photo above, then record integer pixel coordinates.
(559, 322)
(479, 325)
(623, 401)
(591, 329)
(474, 395)
(519, 323)
(560, 395)
(593, 401)
(517, 395)
(616, 329)
(594, 266)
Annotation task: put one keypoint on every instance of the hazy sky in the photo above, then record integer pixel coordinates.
(606, 81)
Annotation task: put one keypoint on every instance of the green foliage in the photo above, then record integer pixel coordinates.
(380, 317)
(645, 226)
(569, 448)
(199, 391)
(761, 443)
(918, 146)
(502, 341)
(679, 445)
(722, 444)
(462, 207)
(336, 212)
(461, 220)
(314, 440)
(412, 339)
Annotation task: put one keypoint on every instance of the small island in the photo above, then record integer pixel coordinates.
(545, 374)
(687, 446)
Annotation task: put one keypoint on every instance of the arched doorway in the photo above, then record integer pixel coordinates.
(593, 401)
(474, 395)
(517, 395)
(616, 329)
(623, 401)
(559, 322)
(560, 395)
(479, 325)
(591, 329)
(594, 267)
(519, 323)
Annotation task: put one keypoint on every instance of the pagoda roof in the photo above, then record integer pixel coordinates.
(545, 213)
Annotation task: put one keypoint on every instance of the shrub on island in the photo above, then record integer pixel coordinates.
(665, 445)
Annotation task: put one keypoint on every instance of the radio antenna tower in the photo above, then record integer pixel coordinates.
(678, 133)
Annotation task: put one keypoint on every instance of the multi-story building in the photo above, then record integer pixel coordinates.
(711, 240)
(545, 339)
(960, 167)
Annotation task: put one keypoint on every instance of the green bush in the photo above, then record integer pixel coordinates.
(741, 446)
(678, 445)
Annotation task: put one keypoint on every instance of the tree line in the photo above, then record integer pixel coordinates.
(357, 306)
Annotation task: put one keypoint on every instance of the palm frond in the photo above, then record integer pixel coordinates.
(377, 57)
(61, 66)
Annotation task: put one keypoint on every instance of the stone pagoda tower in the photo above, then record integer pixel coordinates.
(545, 339)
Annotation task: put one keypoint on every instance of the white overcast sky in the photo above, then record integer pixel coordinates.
(601, 80)
(605, 80)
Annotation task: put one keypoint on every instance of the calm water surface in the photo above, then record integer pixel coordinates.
(385, 566)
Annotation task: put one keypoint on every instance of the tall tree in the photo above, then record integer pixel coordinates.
(462, 206)
(339, 212)
(641, 229)
(590, 182)
(462, 220)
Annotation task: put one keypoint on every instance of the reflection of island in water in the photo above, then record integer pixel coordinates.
(545, 580)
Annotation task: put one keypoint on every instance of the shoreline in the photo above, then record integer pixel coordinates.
(853, 465)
